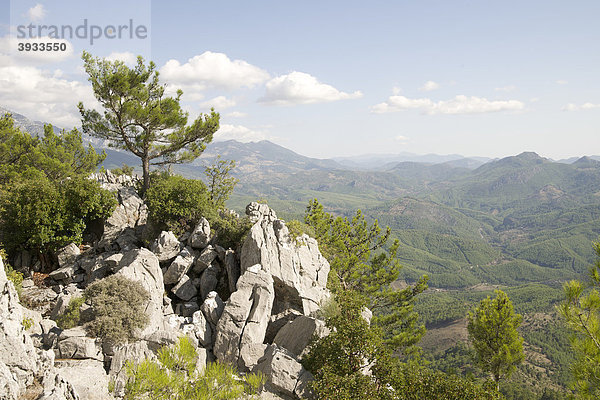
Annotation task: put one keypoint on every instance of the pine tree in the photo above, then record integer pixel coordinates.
(493, 332)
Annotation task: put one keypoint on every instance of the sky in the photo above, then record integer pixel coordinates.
(333, 78)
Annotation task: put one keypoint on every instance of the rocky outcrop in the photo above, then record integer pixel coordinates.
(297, 334)
(287, 377)
(124, 227)
(142, 265)
(299, 271)
(24, 370)
(246, 315)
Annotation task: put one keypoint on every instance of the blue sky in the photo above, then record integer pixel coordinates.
(338, 78)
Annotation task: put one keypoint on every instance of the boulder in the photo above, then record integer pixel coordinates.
(179, 267)
(299, 271)
(67, 255)
(130, 215)
(278, 321)
(246, 315)
(166, 246)
(212, 308)
(285, 375)
(296, 335)
(205, 258)
(133, 352)
(250, 355)
(88, 377)
(73, 344)
(209, 280)
(232, 267)
(256, 211)
(65, 273)
(202, 329)
(200, 237)
(185, 290)
(142, 265)
(187, 309)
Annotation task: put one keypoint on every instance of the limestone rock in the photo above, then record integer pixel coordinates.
(250, 355)
(142, 265)
(200, 237)
(88, 377)
(67, 255)
(232, 267)
(286, 376)
(185, 290)
(299, 271)
(179, 267)
(278, 321)
(202, 329)
(129, 216)
(212, 308)
(258, 211)
(205, 258)
(296, 335)
(209, 280)
(246, 315)
(166, 246)
(72, 343)
(134, 352)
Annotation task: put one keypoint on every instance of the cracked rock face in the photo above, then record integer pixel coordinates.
(246, 315)
(299, 271)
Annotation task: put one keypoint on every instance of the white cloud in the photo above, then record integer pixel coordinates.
(458, 105)
(396, 90)
(301, 88)
(219, 103)
(212, 70)
(562, 82)
(402, 139)
(37, 12)
(584, 106)
(239, 133)
(43, 95)
(236, 114)
(508, 88)
(429, 86)
(127, 57)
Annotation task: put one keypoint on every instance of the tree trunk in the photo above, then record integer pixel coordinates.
(146, 174)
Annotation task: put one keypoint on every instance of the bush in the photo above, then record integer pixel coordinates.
(176, 204)
(298, 228)
(175, 376)
(230, 229)
(71, 317)
(15, 277)
(118, 308)
(43, 216)
(124, 170)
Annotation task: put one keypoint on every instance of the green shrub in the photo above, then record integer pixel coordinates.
(15, 277)
(71, 317)
(298, 228)
(118, 308)
(176, 203)
(230, 229)
(175, 376)
(43, 216)
(124, 170)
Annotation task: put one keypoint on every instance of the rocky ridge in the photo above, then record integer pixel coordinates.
(253, 307)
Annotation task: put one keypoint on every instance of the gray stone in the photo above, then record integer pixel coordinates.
(185, 290)
(142, 265)
(258, 211)
(212, 308)
(296, 335)
(299, 271)
(134, 352)
(200, 237)
(246, 315)
(72, 343)
(187, 309)
(232, 267)
(166, 246)
(285, 375)
(113, 261)
(278, 321)
(209, 280)
(250, 355)
(67, 255)
(179, 267)
(205, 258)
(202, 329)
(88, 378)
(129, 216)
(64, 274)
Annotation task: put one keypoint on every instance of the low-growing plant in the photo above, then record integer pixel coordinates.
(297, 229)
(71, 316)
(27, 323)
(123, 170)
(230, 229)
(15, 277)
(117, 308)
(176, 376)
